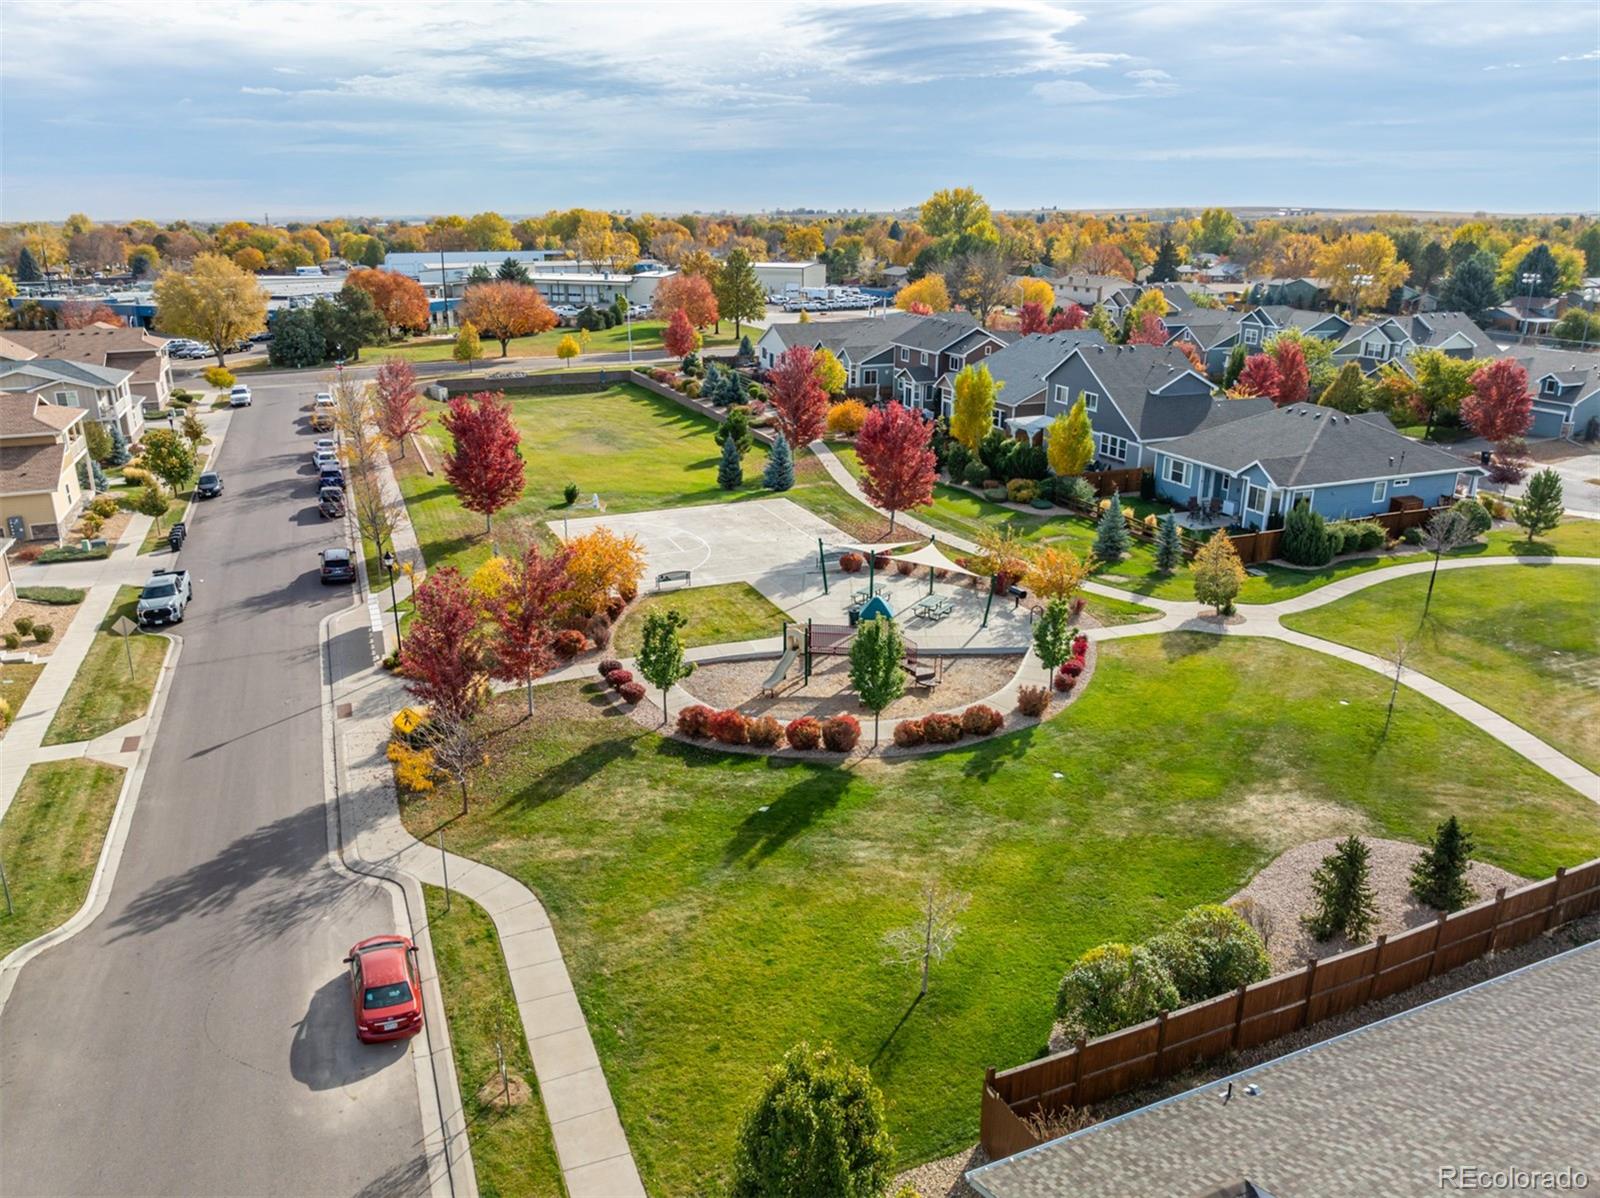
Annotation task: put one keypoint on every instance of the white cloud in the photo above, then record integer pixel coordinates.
(263, 91)
(1579, 57)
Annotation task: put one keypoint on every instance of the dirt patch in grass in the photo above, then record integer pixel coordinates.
(514, 1092)
(738, 684)
(58, 616)
(1282, 819)
(1283, 892)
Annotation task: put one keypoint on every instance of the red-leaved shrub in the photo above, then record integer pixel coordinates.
(569, 643)
(619, 678)
(904, 567)
(614, 606)
(1065, 682)
(609, 664)
(598, 630)
(696, 721)
(1072, 667)
(1033, 700)
(981, 720)
(631, 692)
(1077, 606)
(730, 727)
(1080, 645)
(880, 561)
(941, 729)
(851, 563)
(764, 731)
(841, 732)
(804, 733)
(908, 734)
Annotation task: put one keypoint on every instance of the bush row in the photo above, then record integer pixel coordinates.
(622, 681)
(838, 734)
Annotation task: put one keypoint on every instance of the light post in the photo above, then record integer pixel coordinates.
(1528, 278)
(390, 564)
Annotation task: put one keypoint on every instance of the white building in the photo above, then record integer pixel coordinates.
(778, 277)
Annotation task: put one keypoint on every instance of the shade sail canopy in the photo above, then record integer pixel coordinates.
(931, 556)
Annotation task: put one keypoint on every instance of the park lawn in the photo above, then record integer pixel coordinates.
(513, 1155)
(1523, 641)
(16, 680)
(50, 841)
(733, 611)
(102, 695)
(714, 909)
(646, 342)
(1111, 612)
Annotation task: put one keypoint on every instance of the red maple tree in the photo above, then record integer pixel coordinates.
(1499, 408)
(1195, 360)
(522, 616)
(442, 657)
(1294, 376)
(918, 308)
(689, 294)
(399, 299)
(798, 397)
(679, 335)
(1259, 377)
(484, 464)
(1150, 331)
(1074, 316)
(399, 407)
(897, 461)
(80, 314)
(1033, 318)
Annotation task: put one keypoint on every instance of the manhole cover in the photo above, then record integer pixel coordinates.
(344, 711)
(130, 744)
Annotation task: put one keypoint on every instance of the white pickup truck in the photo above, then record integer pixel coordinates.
(165, 596)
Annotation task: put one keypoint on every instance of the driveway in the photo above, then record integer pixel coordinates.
(195, 1037)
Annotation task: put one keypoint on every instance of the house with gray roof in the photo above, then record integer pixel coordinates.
(1019, 371)
(1214, 332)
(864, 347)
(1297, 292)
(1113, 292)
(1344, 466)
(103, 392)
(1566, 392)
(1138, 396)
(928, 354)
(1387, 339)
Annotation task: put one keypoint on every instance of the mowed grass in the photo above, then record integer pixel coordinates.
(733, 611)
(513, 1155)
(646, 342)
(16, 680)
(639, 451)
(103, 695)
(1523, 641)
(714, 909)
(50, 841)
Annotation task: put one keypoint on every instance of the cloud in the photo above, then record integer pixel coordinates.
(1579, 57)
(262, 91)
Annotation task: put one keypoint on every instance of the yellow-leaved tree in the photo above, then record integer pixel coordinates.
(1037, 291)
(928, 292)
(1218, 572)
(829, 371)
(568, 348)
(1057, 573)
(604, 563)
(1069, 445)
(215, 301)
(973, 414)
(1361, 269)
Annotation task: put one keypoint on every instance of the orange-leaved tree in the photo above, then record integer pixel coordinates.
(506, 310)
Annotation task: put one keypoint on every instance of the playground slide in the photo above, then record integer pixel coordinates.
(784, 662)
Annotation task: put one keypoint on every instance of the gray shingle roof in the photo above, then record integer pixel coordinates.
(1022, 365)
(1305, 445)
(862, 337)
(65, 371)
(936, 332)
(1130, 376)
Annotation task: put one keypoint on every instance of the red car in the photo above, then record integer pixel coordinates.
(385, 989)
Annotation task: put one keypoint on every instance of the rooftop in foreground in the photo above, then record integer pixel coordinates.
(1498, 1077)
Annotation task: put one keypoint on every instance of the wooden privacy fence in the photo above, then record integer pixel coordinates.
(1262, 546)
(1094, 1070)
(1115, 482)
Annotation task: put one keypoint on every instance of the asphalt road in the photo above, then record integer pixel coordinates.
(197, 1037)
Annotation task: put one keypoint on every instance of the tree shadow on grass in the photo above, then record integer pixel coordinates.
(988, 758)
(559, 777)
(811, 795)
(893, 1032)
(1175, 646)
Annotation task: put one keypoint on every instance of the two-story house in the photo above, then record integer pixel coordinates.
(1565, 388)
(102, 392)
(1112, 292)
(864, 347)
(1534, 315)
(1395, 338)
(1137, 397)
(134, 350)
(1344, 466)
(1214, 332)
(44, 467)
(1019, 371)
(928, 354)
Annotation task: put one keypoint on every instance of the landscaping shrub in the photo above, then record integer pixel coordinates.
(614, 606)
(764, 731)
(1065, 682)
(1022, 490)
(981, 720)
(1412, 536)
(904, 568)
(1113, 986)
(1041, 503)
(219, 376)
(908, 734)
(692, 388)
(12, 641)
(1476, 513)
(845, 419)
(975, 474)
(619, 678)
(42, 633)
(1074, 490)
(1342, 538)
(1072, 667)
(569, 642)
(1033, 701)
(631, 692)
(841, 732)
(105, 507)
(136, 476)
(756, 392)
(570, 493)
(880, 561)
(1305, 537)
(730, 727)
(1209, 951)
(23, 624)
(609, 664)
(696, 721)
(851, 563)
(1080, 645)
(413, 767)
(804, 733)
(51, 596)
(957, 460)
(996, 494)
(941, 728)
(598, 630)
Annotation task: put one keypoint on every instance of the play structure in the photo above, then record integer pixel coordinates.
(809, 641)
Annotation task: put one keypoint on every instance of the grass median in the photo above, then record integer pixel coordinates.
(106, 694)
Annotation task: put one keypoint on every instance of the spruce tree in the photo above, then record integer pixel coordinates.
(1439, 876)
(1235, 366)
(779, 474)
(1111, 534)
(730, 471)
(1169, 545)
(1165, 269)
(119, 448)
(746, 350)
(1305, 537)
(1539, 510)
(28, 267)
(1343, 888)
(736, 426)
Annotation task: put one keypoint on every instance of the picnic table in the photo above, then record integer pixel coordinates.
(933, 609)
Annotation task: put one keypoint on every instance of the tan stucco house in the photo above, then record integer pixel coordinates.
(103, 392)
(144, 356)
(44, 467)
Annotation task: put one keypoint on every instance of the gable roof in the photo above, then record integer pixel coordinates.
(1431, 328)
(89, 344)
(23, 414)
(46, 370)
(860, 337)
(30, 469)
(1570, 369)
(1305, 445)
(1022, 365)
(935, 332)
(1136, 379)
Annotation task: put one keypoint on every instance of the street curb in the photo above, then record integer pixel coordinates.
(105, 870)
(445, 1136)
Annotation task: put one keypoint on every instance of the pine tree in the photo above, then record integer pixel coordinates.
(1439, 876)
(1165, 269)
(1235, 366)
(736, 426)
(1343, 888)
(746, 350)
(1305, 537)
(1539, 509)
(28, 267)
(119, 448)
(779, 474)
(730, 471)
(1111, 534)
(1169, 545)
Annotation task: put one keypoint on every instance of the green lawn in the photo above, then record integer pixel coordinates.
(512, 1152)
(51, 596)
(1116, 611)
(50, 840)
(16, 680)
(733, 611)
(646, 342)
(639, 450)
(1524, 642)
(102, 695)
(715, 909)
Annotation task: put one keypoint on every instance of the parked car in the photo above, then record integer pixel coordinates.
(209, 485)
(330, 503)
(338, 565)
(330, 476)
(239, 397)
(325, 458)
(385, 989)
(323, 445)
(165, 596)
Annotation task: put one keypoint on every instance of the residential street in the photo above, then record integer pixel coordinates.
(197, 1037)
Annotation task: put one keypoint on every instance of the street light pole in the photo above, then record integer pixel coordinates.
(394, 601)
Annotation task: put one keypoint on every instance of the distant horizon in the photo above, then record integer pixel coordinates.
(346, 106)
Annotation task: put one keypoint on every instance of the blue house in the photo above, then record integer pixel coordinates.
(1345, 466)
(1566, 392)
(1215, 331)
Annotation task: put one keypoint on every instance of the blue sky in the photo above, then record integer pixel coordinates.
(237, 110)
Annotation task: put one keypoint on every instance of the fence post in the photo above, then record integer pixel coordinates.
(1377, 961)
(1433, 953)
(1078, 1046)
(1161, 1042)
(1311, 980)
(1499, 908)
(1238, 1019)
(1555, 898)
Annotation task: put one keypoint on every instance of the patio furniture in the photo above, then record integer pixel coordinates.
(1194, 508)
(1214, 508)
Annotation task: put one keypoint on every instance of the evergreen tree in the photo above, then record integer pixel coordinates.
(512, 271)
(1439, 876)
(1169, 545)
(1541, 263)
(736, 426)
(746, 350)
(1348, 391)
(875, 673)
(1305, 537)
(1111, 534)
(28, 267)
(730, 471)
(895, 232)
(779, 474)
(1343, 888)
(119, 448)
(1235, 366)
(1539, 509)
(1471, 287)
(711, 385)
(1165, 269)
(101, 483)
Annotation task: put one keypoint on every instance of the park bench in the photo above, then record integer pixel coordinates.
(667, 576)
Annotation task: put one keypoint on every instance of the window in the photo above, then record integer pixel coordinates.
(1550, 386)
(1063, 396)
(1252, 335)
(1400, 482)
(905, 354)
(1111, 447)
(66, 398)
(1177, 472)
(924, 361)
(997, 413)
(869, 378)
(1091, 401)
(1380, 490)
(1255, 498)
(1377, 349)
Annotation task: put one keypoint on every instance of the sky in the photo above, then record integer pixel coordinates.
(289, 110)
